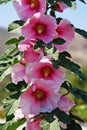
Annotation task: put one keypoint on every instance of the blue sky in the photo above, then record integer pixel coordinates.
(77, 17)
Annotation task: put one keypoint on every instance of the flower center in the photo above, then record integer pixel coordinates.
(40, 28)
(46, 71)
(39, 94)
(34, 4)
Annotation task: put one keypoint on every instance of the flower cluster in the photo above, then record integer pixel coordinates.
(35, 68)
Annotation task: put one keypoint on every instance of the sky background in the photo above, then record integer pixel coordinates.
(77, 17)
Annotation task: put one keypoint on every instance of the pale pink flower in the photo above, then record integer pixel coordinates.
(40, 26)
(45, 70)
(34, 125)
(66, 31)
(65, 104)
(41, 96)
(18, 114)
(61, 6)
(24, 45)
(30, 55)
(26, 8)
(18, 73)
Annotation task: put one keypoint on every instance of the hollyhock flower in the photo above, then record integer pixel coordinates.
(66, 31)
(35, 124)
(61, 6)
(18, 73)
(30, 55)
(45, 70)
(18, 114)
(41, 96)
(64, 104)
(24, 45)
(26, 8)
(40, 26)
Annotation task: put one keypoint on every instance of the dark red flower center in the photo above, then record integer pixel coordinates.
(46, 71)
(39, 94)
(34, 4)
(40, 28)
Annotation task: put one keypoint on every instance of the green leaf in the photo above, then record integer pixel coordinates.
(52, 52)
(4, 1)
(45, 125)
(68, 2)
(74, 5)
(73, 67)
(12, 41)
(62, 116)
(50, 126)
(5, 73)
(15, 25)
(79, 94)
(50, 1)
(59, 41)
(58, 114)
(5, 66)
(10, 105)
(54, 125)
(73, 126)
(14, 125)
(83, 1)
(81, 32)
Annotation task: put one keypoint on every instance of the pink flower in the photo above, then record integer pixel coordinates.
(34, 125)
(30, 55)
(44, 69)
(41, 96)
(24, 45)
(64, 104)
(26, 8)
(66, 31)
(40, 26)
(18, 114)
(18, 73)
(61, 6)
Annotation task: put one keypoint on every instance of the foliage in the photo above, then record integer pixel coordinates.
(51, 120)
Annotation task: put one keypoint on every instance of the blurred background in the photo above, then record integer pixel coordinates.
(78, 49)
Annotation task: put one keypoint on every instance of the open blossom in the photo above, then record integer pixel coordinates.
(44, 69)
(26, 8)
(61, 6)
(66, 31)
(40, 26)
(30, 55)
(64, 104)
(18, 73)
(41, 96)
(34, 124)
